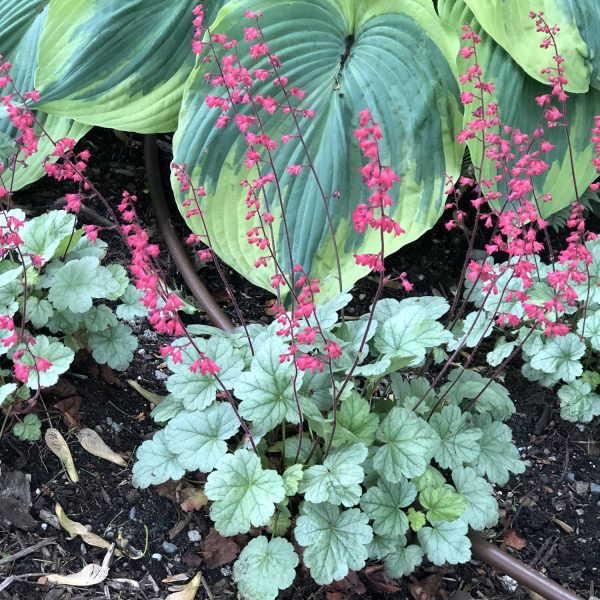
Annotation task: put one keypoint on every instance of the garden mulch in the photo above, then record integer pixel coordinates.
(550, 515)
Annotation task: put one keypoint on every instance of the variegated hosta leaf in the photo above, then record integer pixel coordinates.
(577, 41)
(515, 95)
(19, 45)
(399, 61)
(113, 64)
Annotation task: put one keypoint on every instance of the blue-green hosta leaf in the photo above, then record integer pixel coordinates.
(482, 508)
(42, 235)
(560, 356)
(116, 66)
(131, 305)
(338, 479)
(155, 463)
(99, 318)
(199, 437)
(355, 422)
(458, 440)
(577, 40)
(442, 504)
(243, 493)
(577, 402)
(264, 567)
(383, 504)
(39, 311)
(409, 443)
(491, 396)
(446, 541)
(75, 284)
(20, 46)
(498, 456)
(418, 146)
(334, 542)
(516, 89)
(267, 391)
(113, 346)
(589, 328)
(51, 350)
(199, 391)
(292, 476)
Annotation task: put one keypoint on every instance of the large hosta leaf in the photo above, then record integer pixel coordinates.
(19, 43)
(577, 41)
(515, 95)
(399, 61)
(114, 64)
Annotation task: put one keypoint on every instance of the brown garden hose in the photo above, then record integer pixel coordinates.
(176, 248)
(487, 552)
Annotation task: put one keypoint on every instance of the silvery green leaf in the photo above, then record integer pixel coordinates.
(199, 391)
(355, 422)
(446, 542)
(5, 391)
(431, 478)
(29, 429)
(560, 355)
(113, 346)
(120, 276)
(99, 318)
(502, 350)
(409, 444)
(199, 438)
(42, 235)
(334, 542)
(8, 272)
(577, 402)
(403, 561)
(465, 384)
(244, 494)
(482, 509)
(383, 504)
(131, 305)
(75, 284)
(589, 327)
(292, 476)
(267, 391)
(458, 439)
(382, 546)
(155, 463)
(64, 321)
(39, 311)
(168, 409)
(498, 456)
(52, 350)
(86, 247)
(338, 479)
(432, 307)
(264, 567)
(548, 380)
(475, 327)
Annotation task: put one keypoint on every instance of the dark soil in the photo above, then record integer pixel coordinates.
(551, 508)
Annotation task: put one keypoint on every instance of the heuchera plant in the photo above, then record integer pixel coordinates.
(53, 289)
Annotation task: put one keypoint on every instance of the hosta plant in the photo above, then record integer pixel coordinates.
(56, 298)
(347, 472)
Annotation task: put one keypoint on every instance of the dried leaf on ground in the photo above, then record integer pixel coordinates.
(69, 409)
(75, 529)
(218, 550)
(378, 580)
(153, 398)
(512, 540)
(94, 444)
(57, 444)
(89, 575)
(189, 591)
(61, 389)
(426, 589)
(346, 588)
(192, 498)
(108, 375)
